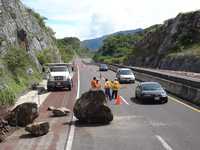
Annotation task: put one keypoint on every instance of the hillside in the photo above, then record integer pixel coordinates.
(173, 45)
(25, 44)
(95, 44)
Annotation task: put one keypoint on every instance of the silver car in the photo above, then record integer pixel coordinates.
(125, 75)
(151, 91)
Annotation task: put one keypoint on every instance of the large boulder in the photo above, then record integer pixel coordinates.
(23, 114)
(91, 108)
(38, 129)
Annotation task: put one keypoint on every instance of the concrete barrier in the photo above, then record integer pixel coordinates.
(187, 89)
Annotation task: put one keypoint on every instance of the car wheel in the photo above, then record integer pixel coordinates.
(72, 83)
(70, 88)
(49, 89)
(165, 101)
(136, 96)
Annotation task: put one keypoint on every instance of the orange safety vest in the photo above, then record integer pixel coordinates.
(115, 85)
(93, 83)
(98, 85)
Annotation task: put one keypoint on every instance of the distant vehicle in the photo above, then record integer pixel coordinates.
(125, 75)
(153, 91)
(59, 76)
(103, 67)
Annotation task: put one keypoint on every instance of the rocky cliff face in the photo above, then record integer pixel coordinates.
(20, 28)
(170, 46)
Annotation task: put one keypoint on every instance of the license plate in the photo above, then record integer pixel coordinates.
(157, 98)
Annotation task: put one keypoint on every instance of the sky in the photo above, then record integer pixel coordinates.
(87, 19)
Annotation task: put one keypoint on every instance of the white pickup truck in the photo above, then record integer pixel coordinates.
(59, 76)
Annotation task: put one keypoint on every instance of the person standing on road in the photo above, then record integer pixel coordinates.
(115, 88)
(93, 83)
(98, 85)
(107, 87)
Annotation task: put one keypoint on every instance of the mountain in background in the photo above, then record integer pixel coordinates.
(95, 44)
(173, 45)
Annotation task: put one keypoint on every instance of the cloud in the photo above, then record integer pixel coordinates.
(92, 18)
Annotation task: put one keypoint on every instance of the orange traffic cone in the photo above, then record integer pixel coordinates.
(118, 100)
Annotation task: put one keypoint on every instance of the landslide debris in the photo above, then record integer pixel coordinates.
(23, 114)
(91, 108)
(38, 128)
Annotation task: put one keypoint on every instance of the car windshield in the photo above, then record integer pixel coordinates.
(103, 66)
(125, 72)
(58, 69)
(151, 87)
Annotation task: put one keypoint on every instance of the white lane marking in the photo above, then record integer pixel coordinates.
(174, 99)
(124, 100)
(72, 127)
(164, 143)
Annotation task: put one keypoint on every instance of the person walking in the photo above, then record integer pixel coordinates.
(107, 87)
(115, 88)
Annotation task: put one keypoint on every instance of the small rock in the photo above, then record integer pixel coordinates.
(51, 108)
(38, 129)
(66, 110)
(59, 112)
(41, 90)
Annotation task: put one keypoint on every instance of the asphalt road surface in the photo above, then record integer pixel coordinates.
(170, 126)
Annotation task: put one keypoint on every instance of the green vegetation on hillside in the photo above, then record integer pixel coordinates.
(116, 48)
(14, 76)
(69, 47)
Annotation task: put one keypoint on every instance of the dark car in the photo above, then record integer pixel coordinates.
(151, 91)
(103, 67)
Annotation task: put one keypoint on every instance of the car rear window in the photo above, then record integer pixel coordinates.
(125, 72)
(151, 87)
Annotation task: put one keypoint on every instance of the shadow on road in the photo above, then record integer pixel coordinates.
(27, 136)
(140, 102)
(85, 124)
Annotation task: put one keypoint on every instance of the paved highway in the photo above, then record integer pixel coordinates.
(170, 126)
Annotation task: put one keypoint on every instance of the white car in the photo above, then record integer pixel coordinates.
(59, 76)
(125, 75)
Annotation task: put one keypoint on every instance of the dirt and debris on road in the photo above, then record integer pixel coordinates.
(56, 138)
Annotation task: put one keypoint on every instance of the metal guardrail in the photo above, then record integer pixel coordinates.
(176, 78)
(186, 89)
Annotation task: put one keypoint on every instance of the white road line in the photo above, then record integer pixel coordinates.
(72, 127)
(164, 143)
(124, 100)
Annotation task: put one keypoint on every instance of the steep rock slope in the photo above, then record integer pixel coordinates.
(20, 28)
(172, 45)
(24, 42)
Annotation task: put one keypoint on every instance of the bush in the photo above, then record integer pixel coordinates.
(16, 59)
(45, 56)
(7, 96)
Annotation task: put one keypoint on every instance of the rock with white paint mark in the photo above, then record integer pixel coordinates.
(38, 129)
(59, 112)
(91, 108)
